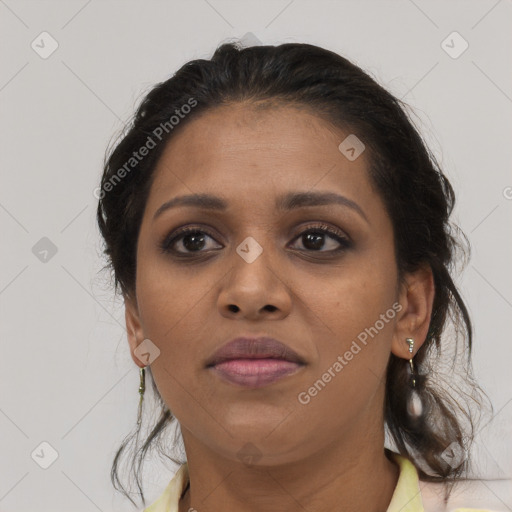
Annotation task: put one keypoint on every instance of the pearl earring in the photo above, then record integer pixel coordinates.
(414, 403)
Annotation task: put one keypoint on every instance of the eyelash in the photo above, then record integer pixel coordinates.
(169, 240)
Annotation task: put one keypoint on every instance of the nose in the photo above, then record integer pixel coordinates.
(255, 289)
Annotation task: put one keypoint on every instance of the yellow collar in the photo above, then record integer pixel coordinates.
(407, 494)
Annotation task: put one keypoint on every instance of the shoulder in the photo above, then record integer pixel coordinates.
(468, 496)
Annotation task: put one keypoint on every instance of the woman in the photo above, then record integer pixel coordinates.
(280, 235)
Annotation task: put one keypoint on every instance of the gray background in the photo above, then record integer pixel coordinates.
(67, 378)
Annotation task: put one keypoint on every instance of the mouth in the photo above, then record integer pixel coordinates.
(255, 362)
(255, 373)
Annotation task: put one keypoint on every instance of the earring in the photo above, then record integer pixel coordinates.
(142, 388)
(414, 403)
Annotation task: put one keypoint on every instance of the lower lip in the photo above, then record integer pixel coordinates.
(255, 373)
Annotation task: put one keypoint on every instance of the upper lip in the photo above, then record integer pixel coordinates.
(254, 348)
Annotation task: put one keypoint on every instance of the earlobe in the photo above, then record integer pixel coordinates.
(134, 329)
(413, 321)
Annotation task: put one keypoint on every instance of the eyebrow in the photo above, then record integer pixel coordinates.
(286, 202)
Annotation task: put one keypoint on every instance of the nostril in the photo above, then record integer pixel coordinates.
(233, 308)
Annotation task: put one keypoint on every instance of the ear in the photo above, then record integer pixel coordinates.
(416, 297)
(133, 328)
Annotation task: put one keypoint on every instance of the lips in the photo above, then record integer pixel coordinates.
(254, 348)
(254, 362)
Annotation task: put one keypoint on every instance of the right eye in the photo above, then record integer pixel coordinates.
(191, 239)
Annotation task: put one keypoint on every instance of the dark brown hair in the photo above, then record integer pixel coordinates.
(418, 197)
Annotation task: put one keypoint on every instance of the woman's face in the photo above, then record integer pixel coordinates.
(319, 296)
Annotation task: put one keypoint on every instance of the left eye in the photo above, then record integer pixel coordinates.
(314, 237)
(193, 240)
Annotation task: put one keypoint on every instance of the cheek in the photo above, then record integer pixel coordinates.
(170, 314)
(354, 298)
(170, 309)
(170, 297)
(351, 366)
(356, 314)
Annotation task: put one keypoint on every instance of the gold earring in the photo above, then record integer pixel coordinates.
(142, 388)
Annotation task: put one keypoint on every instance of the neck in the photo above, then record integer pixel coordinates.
(356, 473)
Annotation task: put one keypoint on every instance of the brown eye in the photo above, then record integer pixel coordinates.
(190, 239)
(314, 239)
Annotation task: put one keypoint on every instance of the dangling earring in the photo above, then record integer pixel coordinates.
(142, 388)
(414, 404)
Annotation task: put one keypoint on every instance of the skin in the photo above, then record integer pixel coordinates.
(314, 456)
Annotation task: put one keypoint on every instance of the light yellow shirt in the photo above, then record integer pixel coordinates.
(406, 496)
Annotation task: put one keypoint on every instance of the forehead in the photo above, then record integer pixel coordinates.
(253, 153)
